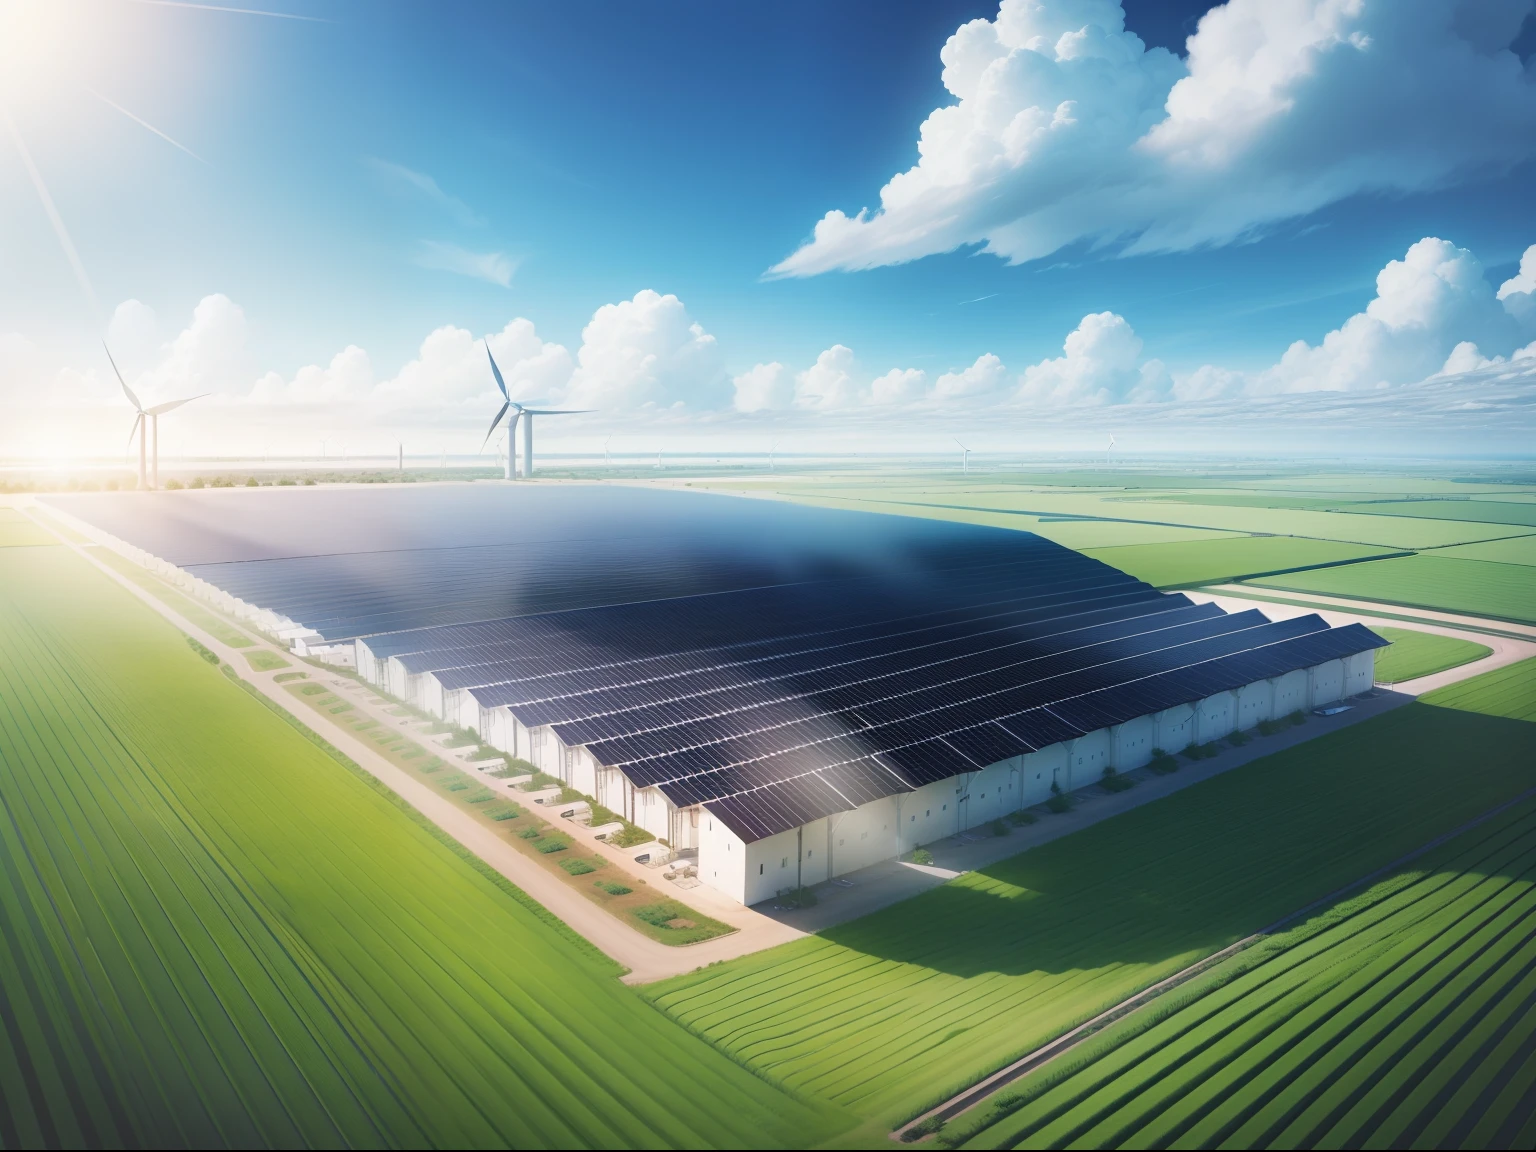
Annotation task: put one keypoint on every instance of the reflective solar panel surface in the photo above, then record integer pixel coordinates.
(774, 662)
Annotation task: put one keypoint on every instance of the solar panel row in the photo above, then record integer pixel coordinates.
(774, 663)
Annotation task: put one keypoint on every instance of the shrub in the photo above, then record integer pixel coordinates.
(282, 677)
(920, 855)
(552, 845)
(1270, 727)
(307, 483)
(197, 482)
(504, 812)
(630, 836)
(1059, 803)
(206, 653)
(252, 482)
(1297, 718)
(999, 828)
(529, 834)
(340, 708)
(285, 483)
(1163, 764)
(480, 797)
(312, 689)
(569, 796)
(578, 867)
(457, 785)
(1022, 819)
(412, 754)
(1114, 782)
(612, 888)
(923, 1129)
(664, 914)
(170, 485)
(1238, 738)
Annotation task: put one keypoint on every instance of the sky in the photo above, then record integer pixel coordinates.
(864, 226)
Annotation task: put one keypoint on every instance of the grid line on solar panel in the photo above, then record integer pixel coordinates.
(920, 767)
(736, 615)
(1152, 637)
(951, 718)
(518, 692)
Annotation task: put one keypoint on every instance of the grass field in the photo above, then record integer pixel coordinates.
(214, 934)
(1193, 563)
(1520, 550)
(894, 1012)
(264, 660)
(1416, 654)
(1476, 587)
(1404, 1017)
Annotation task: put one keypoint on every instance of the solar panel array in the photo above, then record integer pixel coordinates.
(774, 663)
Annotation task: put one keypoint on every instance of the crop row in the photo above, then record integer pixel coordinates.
(215, 934)
(893, 1012)
(1400, 1017)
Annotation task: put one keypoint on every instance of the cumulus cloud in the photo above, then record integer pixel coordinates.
(648, 351)
(1434, 314)
(986, 376)
(899, 386)
(492, 267)
(764, 387)
(1101, 364)
(1067, 129)
(1518, 293)
(831, 382)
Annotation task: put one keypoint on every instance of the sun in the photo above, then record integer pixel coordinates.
(39, 39)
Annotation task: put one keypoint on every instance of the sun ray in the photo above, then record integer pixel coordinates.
(53, 213)
(240, 11)
(146, 124)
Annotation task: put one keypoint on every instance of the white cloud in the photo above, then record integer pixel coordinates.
(832, 382)
(208, 355)
(408, 179)
(648, 351)
(764, 387)
(1101, 365)
(899, 386)
(1427, 305)
(492, 267)
(1066, 129)
(987, 375)
(1518, 293)
(133, 334)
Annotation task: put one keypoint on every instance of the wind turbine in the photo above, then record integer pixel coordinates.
(147, 421)
(520, 415)
(772, 449)
(605, 449)
(965, 457)
(1111, 447)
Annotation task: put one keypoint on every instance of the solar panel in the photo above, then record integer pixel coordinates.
(771, 662)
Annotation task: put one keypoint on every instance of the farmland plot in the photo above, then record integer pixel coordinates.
(213, 934)
(1218, 561)
(1414, 653)
(1404, 1017)
(896, 1011)
(1475, 587)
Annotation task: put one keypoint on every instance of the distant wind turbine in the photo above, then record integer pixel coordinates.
(774, 448)
(520, 415)
(605, 449)
(1109, 449)
(146, 421)
(965, 457)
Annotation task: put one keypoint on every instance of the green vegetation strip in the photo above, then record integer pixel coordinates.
(215, 932)
(893, 1013)
(1414, 654)
(1219, 561)
(1404, 1017)
(1476, 587)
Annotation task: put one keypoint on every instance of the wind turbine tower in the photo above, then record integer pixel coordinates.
(521, 414)
(147, 421)
(965, 457)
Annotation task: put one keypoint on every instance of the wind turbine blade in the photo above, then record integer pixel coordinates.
(137, 420)
(134, 400)
(556, 411)
(160, 409)
(492, 428)
(500, 383)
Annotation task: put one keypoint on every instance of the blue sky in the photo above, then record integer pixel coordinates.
(587, 152)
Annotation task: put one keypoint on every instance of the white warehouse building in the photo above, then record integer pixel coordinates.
(785, 694)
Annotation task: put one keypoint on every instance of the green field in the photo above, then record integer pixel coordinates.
(265, 660)
(1415, 654)
(894, 1012)
(1508, 692)
(1520, 550)
(1475, 587)
(1404, 1017)
(215, 934)
(1219, 561)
